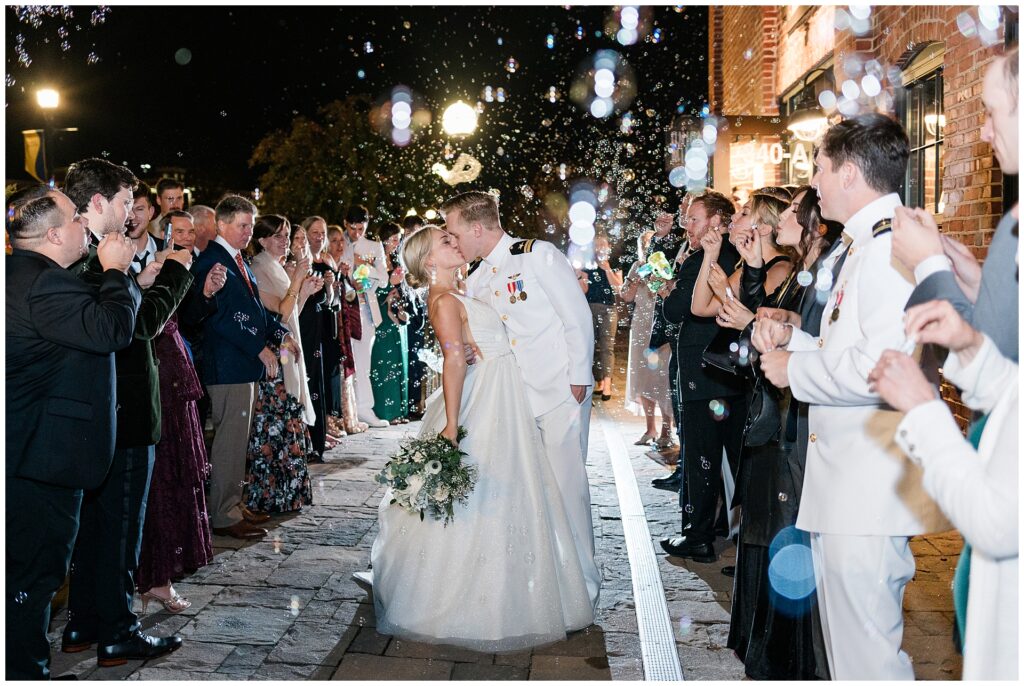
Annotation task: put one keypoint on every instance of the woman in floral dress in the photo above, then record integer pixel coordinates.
(279, 443)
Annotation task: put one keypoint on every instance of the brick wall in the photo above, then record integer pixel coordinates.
(743, 48)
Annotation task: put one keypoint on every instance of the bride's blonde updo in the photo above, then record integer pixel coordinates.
(415, 249)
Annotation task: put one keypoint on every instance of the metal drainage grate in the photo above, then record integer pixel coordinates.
(657, 640)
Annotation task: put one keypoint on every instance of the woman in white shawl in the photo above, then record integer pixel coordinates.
(279, 442)
(975, 483)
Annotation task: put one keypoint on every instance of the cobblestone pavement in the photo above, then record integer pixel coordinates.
(286, 608)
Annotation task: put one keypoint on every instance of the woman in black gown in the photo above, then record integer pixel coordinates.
(774, 627)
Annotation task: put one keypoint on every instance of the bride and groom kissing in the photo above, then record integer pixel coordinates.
(516, 567)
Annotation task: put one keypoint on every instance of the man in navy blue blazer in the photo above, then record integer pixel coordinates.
(239, 344)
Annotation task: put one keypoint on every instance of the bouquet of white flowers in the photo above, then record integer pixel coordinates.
(427, 475)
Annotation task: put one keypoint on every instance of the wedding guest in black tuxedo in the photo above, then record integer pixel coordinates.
(61, 337)
(706, 426)
(106, 556)
(237, 340)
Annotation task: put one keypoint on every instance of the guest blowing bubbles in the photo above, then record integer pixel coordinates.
(976, 483)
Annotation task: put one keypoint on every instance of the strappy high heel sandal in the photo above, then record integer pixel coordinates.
(645, 439)
(174, 605)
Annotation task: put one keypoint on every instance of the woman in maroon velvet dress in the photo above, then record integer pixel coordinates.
(176, 535)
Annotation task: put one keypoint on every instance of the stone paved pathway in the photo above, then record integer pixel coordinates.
(285, 608)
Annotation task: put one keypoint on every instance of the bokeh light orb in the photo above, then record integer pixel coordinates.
(459, 119)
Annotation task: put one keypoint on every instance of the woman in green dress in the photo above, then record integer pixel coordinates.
(389, 369)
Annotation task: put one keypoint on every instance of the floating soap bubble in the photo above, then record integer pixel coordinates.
(550, 41)
(183, 56)
(871, 86)
(827, 100)
(804, 278)
(677, 177)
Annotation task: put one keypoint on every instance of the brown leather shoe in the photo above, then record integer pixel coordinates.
(254, 517)
(242, 529)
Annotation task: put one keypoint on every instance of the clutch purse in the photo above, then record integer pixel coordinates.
(720, 353)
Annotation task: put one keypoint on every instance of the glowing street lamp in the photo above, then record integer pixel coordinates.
(459, 119)
(48, 98)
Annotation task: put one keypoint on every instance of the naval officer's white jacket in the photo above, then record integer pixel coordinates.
(857, 480)
(378, 271)
(551, 330)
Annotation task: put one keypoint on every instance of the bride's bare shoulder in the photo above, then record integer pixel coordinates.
(445, 304)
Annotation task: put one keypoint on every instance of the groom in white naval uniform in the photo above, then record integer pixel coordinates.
(534, 289)
(862, 497)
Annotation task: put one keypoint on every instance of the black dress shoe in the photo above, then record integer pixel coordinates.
(672, 482)
(138, 646)
(729, 571)
(76, 640)
(680, 547)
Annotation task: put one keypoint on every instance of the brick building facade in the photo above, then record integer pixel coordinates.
(762, 58)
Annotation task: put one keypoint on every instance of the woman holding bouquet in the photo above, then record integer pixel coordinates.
(504, 574)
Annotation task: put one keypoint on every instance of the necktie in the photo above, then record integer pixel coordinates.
(139, 260)
(245, 272)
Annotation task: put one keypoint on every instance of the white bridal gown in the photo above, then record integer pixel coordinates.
(504, 575)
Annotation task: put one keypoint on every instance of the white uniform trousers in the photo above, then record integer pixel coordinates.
(860, 599)
(562, 431)
(362, 357)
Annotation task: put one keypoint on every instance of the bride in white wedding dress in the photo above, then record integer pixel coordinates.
(504, 575)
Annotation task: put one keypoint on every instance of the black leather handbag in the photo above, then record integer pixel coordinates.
(764, 418)
(720, 351)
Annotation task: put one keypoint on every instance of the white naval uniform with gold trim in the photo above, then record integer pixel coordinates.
(551, 333)
(862, 497)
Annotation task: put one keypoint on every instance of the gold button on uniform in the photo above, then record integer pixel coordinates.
(821, 343)
(497, 293)
(494, 270)
(504, 316)
(813, 438)
(513, 341)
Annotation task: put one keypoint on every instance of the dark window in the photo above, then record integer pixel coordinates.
(921, 112)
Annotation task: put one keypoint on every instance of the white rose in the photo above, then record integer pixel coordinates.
(415, 485)
(418, 456)
(441, 494)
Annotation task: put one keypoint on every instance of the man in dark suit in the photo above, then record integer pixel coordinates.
(61, 337)
(712, 401)
(237, 350)
(102, 582)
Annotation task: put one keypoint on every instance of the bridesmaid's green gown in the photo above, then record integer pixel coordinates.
(389, 368)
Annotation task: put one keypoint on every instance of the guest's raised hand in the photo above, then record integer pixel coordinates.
(748, 245)
(937, 321)
(769, 335)
(899, 381)
(711, 241)
(734, 315)
(308, 287)
(915, 236)
(775, 367)
(779, 315)
(966, 268)
(116, 251)
(215, 280)
(719, 282)
(182, 257)
(147, 276)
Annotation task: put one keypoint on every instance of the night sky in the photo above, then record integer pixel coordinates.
(137, 96)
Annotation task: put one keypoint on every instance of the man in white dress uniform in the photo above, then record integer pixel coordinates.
(361, 250)
(862, 497)
(534, 289)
